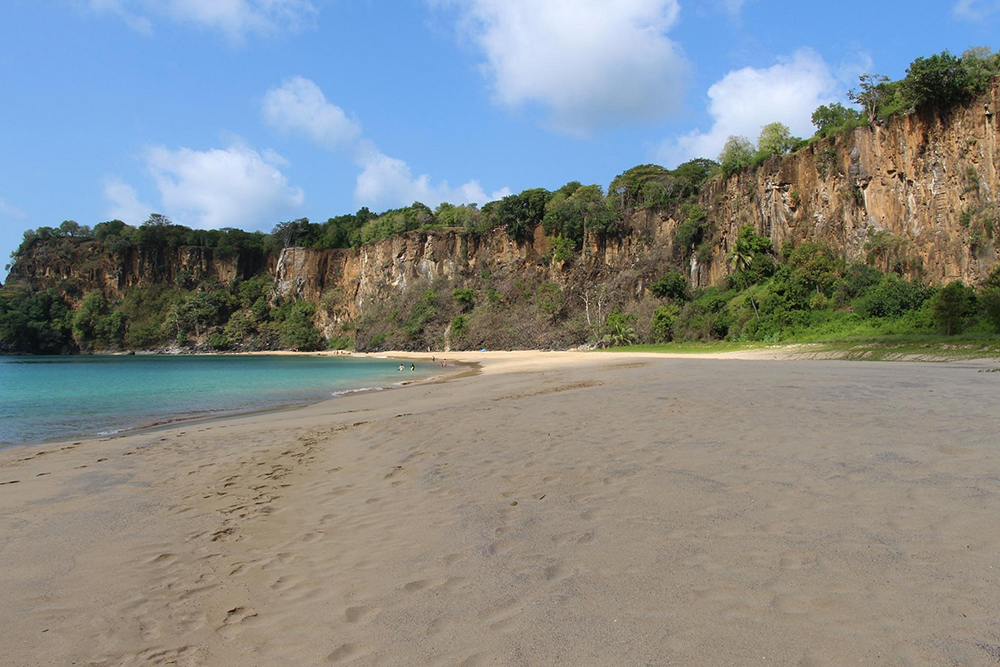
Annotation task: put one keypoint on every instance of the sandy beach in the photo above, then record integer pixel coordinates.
(552, 509)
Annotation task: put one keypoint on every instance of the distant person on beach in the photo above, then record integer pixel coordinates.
(413, 367)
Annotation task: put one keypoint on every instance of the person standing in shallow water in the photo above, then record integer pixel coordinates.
(413, 367)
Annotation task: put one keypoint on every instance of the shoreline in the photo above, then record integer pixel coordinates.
(552, 508)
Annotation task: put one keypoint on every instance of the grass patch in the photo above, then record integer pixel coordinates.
(900, 348)
(915, 347)
(713, 347)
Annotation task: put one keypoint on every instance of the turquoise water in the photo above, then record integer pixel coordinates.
(56, 398)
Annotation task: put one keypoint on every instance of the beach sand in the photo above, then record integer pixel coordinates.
(555, 509)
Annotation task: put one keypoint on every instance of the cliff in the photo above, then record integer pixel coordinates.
(75, 266)
(921, 191)
(918, 195)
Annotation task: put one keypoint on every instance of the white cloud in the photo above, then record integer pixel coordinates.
(589, 63)
(299, 106)
(234, 18)
(387, 181)
(10, 211)
(732, 7)
(745, 100)
(232, 187)
(976, 10)
(124, 202)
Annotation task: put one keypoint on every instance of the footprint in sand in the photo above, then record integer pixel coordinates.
(360, 614)
(344, 653)
(416, 586)
(503, 617)
(236, 619)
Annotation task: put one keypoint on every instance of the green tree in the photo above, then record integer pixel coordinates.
(692, 231)
(629, 189)
(749, 249)
(521, 213)
(814, 265)
(941, 82)
(775, 139)
(298, 331)
(35, 323)
(830, 119)
(951, 306)
(661, 325)
(86, 321)
(736, 155)
(989, 299)
(672, 285)
(290, 233)
(871, 94)
(73, 228)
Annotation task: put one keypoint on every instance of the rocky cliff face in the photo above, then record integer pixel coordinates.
(918, 195)
(921, 192)
(76, 266)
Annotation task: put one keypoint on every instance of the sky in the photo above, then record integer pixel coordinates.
(245, 113)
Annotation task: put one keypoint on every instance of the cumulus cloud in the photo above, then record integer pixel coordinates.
(232, 187)
(389, 181)
(976, 10)
(589, 63)
(124, 203)
(747, 99)
(234, 18)
(299, 106)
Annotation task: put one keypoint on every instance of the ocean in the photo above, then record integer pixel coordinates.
(57, 398)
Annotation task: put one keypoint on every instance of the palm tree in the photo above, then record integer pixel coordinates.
(740, 259)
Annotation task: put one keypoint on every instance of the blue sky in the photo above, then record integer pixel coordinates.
(245, 113)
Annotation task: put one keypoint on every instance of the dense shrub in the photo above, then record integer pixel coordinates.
(661, 326)
(952, 306)
(892, 297)
(672, 285)
(36, 323)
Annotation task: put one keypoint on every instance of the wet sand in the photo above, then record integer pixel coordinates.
(555, 509)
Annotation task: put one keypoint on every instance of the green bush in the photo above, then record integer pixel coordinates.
(620, 328)
(892, 297)
(661, 326)
(459, 328)
(672, 285)
(856, 280)
(340, 343)
(562, 248)
(465, 298)
(549, 300)
(218, 341)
